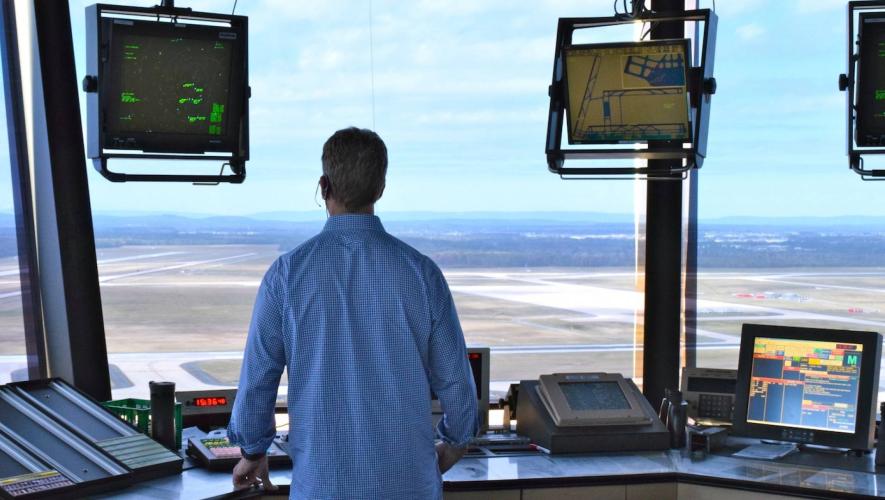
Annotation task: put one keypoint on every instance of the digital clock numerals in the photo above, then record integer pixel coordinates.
(210, 401)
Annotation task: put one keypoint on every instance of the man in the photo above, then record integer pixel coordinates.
(366, 327)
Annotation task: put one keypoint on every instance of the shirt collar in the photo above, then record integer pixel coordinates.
(351, 222)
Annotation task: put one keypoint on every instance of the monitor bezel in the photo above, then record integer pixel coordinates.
(550, 391)
(689, 373)
(483, 387)
(173, 142)
(863, 140)
(686, 54)
(861, 438)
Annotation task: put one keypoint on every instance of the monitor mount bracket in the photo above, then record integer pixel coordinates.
(166, 10)
(701, 86)
(848, 82)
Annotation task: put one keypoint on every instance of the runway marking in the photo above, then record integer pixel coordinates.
(116, 259)
(813, 285)
(569, 349)
(139, 257)
(150, 271)
(173, 267)
(181, 357)
(609, 302)
(250, 284)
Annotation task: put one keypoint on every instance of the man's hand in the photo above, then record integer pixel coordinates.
(447, 455)
(250, 473)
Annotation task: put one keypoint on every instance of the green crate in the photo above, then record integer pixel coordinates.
(138, 413)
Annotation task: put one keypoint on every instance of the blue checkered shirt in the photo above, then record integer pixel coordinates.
(366, 327)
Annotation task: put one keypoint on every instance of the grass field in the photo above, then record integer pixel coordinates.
(198, 299)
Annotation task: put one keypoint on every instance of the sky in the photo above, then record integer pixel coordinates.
(460, 97)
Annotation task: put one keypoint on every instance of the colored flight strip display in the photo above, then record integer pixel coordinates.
(806, 384)
(34, 483)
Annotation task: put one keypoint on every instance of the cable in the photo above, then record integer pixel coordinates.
(372, 61)
(220, 173)
(651, 27)
(234, 9)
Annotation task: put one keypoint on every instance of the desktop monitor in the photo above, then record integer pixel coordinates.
(808, 385)
(479, 366)
(627, 92)
(167, 87)
(592, 399)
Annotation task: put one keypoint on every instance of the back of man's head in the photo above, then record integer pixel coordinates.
(355, 164)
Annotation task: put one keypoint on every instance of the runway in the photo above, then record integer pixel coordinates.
(559, 308)
(141, 368)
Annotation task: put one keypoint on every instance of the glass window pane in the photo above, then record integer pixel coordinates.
(787, 236)
(542, 270)
(13, 364)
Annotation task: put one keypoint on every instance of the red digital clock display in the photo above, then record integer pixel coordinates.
(216, 401)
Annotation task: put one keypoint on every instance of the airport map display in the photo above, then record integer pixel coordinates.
(627, 92)
(806, 384)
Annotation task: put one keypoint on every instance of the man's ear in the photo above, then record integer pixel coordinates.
(381, 193)
(324, 186)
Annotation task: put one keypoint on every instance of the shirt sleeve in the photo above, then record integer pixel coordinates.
(252, 425)
(450, 375)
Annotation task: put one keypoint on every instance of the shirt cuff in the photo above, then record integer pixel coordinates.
(440, 433)
(251, 456)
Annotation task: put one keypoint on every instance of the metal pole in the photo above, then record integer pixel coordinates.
(29, 279)
(663, 264)
(77, 349)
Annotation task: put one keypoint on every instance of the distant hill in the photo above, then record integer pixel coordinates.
(160, 219)
(581, 217)
(518, 239)
(854, 221)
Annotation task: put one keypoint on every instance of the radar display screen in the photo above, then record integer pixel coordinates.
(806, 384)
(172, 87)
(627, 93)
(584, 396)
(871, 81)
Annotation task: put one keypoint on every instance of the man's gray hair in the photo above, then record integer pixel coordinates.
(355, 162)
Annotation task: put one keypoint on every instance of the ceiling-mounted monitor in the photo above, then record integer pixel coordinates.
(870, 107)
(170, 85)
(171, 88)
(864, 82)
(608, 101)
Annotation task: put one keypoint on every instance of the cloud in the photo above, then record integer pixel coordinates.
(732, 8)
(812, 6)
(749, 32)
